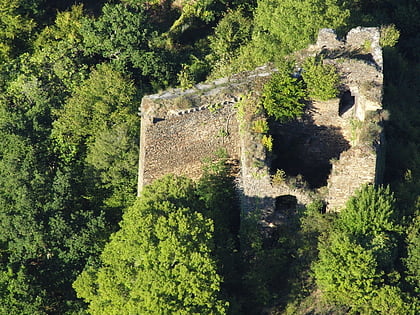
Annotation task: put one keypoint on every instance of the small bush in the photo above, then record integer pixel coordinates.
(389, 36)
(192, 73)
(267, 141)
(185, 78)
(233, 30)
(283, 97)
(321, 80)
(367, 46)
(279, 177)
(260, 126)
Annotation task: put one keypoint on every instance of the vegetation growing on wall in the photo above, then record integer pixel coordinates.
(283, 97)
(321, 80)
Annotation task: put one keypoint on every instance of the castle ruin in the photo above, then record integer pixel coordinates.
(327, 154)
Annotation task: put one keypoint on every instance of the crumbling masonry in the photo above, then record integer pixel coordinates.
(328, 153)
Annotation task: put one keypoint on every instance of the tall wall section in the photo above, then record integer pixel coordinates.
(181, 128)
(359, 61)
(180, 143)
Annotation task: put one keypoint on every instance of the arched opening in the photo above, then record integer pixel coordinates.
(286, 202)
(346, 102)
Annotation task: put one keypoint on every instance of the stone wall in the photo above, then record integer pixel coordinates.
(180, 128)
(179, 144)
(355, 167)
(256, 185)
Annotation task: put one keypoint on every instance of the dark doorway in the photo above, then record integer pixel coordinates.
(286, 202)
(346, 102)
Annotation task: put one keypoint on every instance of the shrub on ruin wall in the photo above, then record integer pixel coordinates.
(389, 35)
(283, 97)
(321, 80)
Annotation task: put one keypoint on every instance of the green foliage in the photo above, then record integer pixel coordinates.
(391, 300)
(260, 126)
(370, 211)
(185, 78)
(123, 35)
(389, 36)
(216, 189)
(160, 261)
(233, 31)
(21, 182)
(279, 177)
(267, 142)
(294, 24)
(412, 261)
(367, 47)
(59, 51)
(281, 27)
(359, 255)
(321, 80)
(138, 3)
(62, 190)
(99, 123)
(17, 296)
(191, 10)
(192, 73)
(15, 29)
(254, 255)
(103, 100)
(346, 272)
(272, 256)
(43, 224)
(283, 97)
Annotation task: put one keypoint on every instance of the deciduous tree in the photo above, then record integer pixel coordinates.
(357, 260)
(160, 262)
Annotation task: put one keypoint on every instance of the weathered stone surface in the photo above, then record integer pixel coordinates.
(355, 167)
(179, 144)
(180, 128)
(327, 39)
(367, 40)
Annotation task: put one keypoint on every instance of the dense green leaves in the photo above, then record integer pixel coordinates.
(321, 80)
(59, 51)
(103, 100)
(413, 259)
(99, 123)
(358, 257)
(347, 273)
(18, 295)
(371, 211)
(281, 27)
(123, 35)
(15, 29)
(233, 30)
(283, 97)
(160, 261)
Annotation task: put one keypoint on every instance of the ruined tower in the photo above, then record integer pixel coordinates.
(328, 153)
